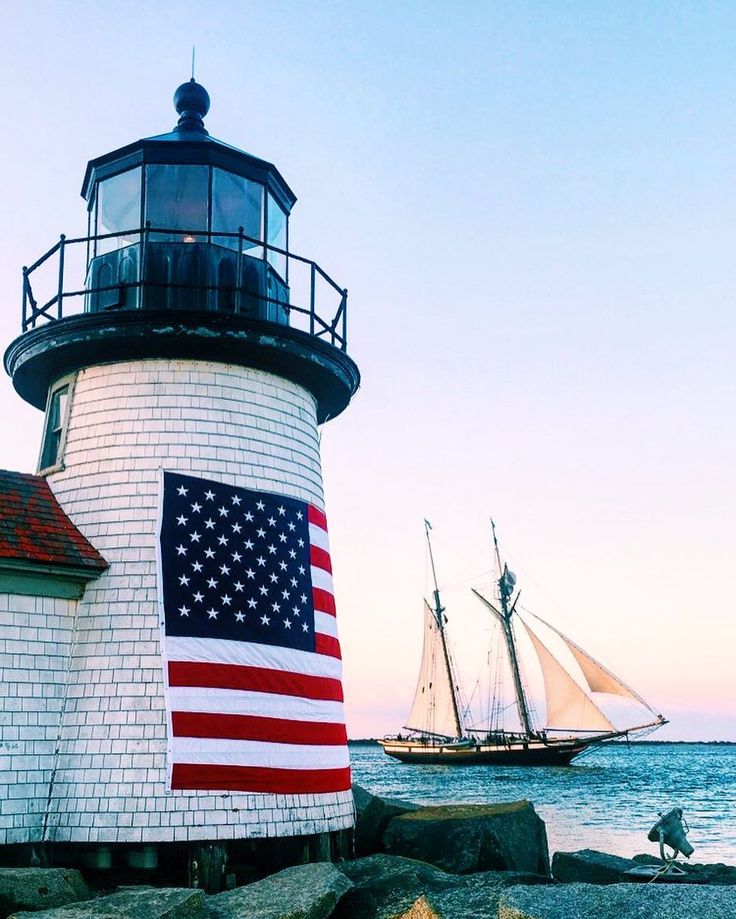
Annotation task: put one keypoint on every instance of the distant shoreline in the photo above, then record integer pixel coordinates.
(620, 743)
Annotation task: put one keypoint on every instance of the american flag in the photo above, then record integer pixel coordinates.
(250, 643)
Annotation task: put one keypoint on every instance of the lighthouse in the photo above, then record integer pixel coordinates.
(165, 578)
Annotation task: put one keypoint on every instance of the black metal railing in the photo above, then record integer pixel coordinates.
(164, 268)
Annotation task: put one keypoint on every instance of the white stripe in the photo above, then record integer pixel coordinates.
(318, 537)
(264, 704)
(258, 753)
(251, 654)
(322, 579)
(325, 624)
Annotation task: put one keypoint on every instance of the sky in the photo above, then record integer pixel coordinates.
(532, 206)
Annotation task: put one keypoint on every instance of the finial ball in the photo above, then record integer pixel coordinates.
(192, 99)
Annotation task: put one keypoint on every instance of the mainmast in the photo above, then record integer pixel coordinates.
(506, 583)
(439, 612)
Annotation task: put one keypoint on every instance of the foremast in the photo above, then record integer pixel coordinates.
(439, 613)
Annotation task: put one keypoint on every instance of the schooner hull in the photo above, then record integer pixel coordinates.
(520, 754)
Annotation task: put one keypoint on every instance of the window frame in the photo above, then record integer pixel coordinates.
(65, 382)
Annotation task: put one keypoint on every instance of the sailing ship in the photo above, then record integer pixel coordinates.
(437, 731)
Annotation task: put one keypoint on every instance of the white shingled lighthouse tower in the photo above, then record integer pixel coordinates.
(199, 347)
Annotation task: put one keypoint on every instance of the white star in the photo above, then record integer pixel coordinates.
(264, 591)
(275, 607)
(261, 561)
(235, 499)
(261, 533)
(181, 550)
(182, 520)
(293, 582)
(196, 508)
(210, 524)
(299, 515)
(212, 613)
(194, 537)
(183, 579)
(260, 505)
(238, 586)
(301, 569)
(282, 566)
(222, 540)
(295, 610)
(239, 617)
(198, 566)
(209, 495)
(282, 511)
(224, 512)
(252, 603)
(292, 527)
(282, 537)
(184, 611)
(292, 553)
(237, 556)
(272, 550)
(209, 553)
(250, 573)
(272, 521)
(285, 594)
(287, 623)
(226, 600)
(224, 569)
(304, 598)
(305, 627)
(198, 597)
(181, 490)
(265, 620)
(212, 583)
(274, 578)
(249, 517)
(301, 543)
(248, 544)
(236, 528)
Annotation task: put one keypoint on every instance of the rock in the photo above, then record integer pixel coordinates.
(390, 886)
(39, 888)
(372, 816)
(618, 901)
(590, 867)
(303, 892)
(133, 903)
(472, 837)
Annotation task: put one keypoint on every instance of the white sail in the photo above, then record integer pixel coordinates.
(434, 709)
(568, 706)
(598, 677)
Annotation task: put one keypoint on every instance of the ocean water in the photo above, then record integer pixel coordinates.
(608, 799)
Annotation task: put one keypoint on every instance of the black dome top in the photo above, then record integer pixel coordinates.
(192, 102)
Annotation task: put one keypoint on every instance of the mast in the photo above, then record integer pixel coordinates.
(506, 585)
(439, 611)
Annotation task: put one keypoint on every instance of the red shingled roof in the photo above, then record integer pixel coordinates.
(34, 528)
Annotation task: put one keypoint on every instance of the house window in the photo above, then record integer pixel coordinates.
(56, 412)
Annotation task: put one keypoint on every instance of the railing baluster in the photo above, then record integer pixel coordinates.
(142, 269)
(60, 293)
(25, 298)
(311, 299)
(344, 307)
(239, 273)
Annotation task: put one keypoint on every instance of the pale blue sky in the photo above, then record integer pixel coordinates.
(532, 205)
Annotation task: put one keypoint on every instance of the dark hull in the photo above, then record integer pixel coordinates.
(533, 754)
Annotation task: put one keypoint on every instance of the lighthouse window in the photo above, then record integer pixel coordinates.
(55, 423)
(118, 209)
(176, 198)
(237, 202)
(276, 235)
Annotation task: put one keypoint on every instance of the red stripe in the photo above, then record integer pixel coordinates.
(317, 517)
(319, 558)
(326, 644)
(323, 600)
(259, 778)
(254, 727)
(258, 679)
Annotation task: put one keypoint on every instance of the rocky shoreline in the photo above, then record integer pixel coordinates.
(412, 862)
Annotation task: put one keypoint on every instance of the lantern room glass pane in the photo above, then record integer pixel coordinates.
(177, 199)
(236, 202)
(118, 209)
(276, 234)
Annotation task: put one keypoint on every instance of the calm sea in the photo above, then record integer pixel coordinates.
(608, 800)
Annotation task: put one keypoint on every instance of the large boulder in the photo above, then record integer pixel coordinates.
(387, 886)
(618, 901)
(39, 888)
(590, 867)
(372, 816)
(303, 892)
(463, 838)
(133, 903)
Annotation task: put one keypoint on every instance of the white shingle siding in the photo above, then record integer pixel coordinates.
(128, 420)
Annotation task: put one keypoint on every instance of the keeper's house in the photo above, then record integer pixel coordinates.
(169, 662)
